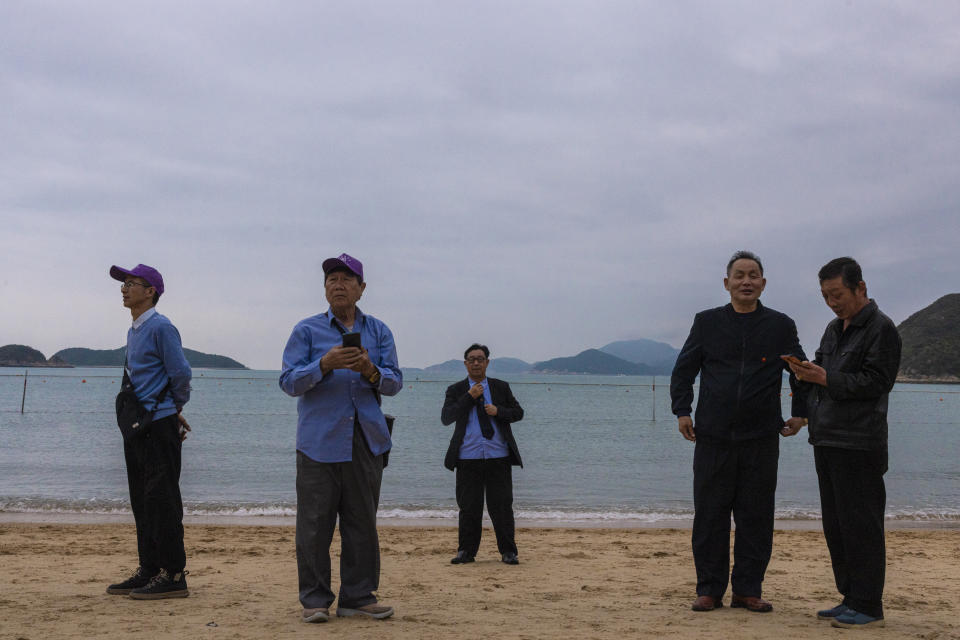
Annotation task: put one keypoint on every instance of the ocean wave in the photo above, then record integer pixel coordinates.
(430, 512)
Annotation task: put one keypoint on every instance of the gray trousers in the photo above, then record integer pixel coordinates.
(350, 490)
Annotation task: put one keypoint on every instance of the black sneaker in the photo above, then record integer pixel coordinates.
(163, 585)
(140, 578)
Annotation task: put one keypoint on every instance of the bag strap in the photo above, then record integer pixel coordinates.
(126, 383)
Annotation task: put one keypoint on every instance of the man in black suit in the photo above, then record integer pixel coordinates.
(482, 451)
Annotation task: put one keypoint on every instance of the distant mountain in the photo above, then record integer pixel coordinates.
(931, 342)
(450, 366)
(82, 357)
(508, 365)
(592, 361)
(497, 365)
(19, 355)
(659, 356)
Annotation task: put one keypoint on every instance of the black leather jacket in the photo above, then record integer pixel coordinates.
(862, 364)
(741, 373)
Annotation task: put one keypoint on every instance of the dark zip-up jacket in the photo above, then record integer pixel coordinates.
(862, 364)
(741, 373)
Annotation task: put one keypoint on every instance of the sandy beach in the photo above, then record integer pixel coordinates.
(571, 583)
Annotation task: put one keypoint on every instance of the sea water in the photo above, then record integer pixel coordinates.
(596, 449)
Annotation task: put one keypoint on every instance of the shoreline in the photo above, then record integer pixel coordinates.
(79, 518)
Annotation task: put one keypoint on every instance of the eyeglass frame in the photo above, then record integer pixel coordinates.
(127, 285)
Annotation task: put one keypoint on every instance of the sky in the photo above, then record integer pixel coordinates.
(543, 177)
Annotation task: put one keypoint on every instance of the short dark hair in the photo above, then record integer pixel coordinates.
(846, 267)
(474, 347)
(744, 255)
(342, 270)
(156, 297)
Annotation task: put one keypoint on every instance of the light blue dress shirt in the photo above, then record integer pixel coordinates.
(327, 404)
(475, 446)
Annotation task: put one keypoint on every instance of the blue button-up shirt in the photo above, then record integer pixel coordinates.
(327, 404)
(475, 446)
(155, 357)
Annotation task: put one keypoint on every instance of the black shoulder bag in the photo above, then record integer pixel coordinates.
(132, 418)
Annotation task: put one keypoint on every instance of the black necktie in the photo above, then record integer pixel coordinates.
(486, 427)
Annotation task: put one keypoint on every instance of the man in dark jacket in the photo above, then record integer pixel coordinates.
(850, 379)
(482, 451)
(736, 351)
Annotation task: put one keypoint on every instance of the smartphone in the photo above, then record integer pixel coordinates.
(792, 359)
(351, 340)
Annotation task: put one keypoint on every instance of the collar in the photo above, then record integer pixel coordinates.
(143, 317)
(863, 316)
(731, 310)
(358, 319)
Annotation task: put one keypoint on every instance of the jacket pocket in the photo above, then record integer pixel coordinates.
(850, 360)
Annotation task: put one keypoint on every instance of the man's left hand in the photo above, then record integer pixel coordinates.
(363, 366)
(792, 426)
(490, 409)
(184, 427)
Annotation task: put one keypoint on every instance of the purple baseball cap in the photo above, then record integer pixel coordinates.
(343, 260)
(149, 274)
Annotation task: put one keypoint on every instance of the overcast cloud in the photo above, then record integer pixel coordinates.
(544, 177)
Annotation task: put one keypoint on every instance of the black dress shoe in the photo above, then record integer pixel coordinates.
(462, 557)
(510, 558)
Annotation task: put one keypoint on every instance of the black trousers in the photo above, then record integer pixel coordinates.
(853, 499)
(350, 490)
(738, 478)
(153, 475)
(494, 477)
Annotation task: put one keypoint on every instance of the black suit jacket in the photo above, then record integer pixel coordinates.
(457, 406)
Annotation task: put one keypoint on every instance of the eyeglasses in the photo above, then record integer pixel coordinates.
(127, 285)
(476, 359)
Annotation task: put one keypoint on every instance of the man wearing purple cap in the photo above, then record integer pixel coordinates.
(160, 375)
(342, 437)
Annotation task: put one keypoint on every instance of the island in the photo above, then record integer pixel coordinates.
(593, 361)
(18, 355)
(931, 343)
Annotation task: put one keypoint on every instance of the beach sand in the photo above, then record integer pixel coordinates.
(571, 583)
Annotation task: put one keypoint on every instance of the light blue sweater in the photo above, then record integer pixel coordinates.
(155, 356)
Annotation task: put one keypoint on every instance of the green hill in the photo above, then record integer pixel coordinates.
(658, 356)
(19, 355)
(82, 357)
(592, 361)
(931, 342)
